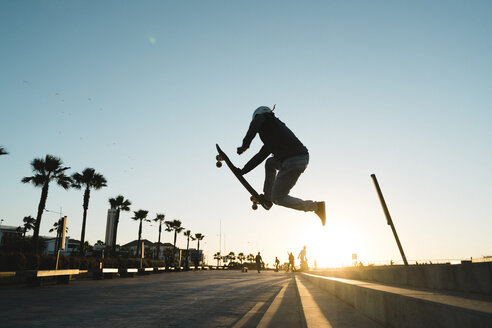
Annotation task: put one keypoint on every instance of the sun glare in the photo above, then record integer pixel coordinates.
(331, 246)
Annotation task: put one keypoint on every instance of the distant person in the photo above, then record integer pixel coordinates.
(291, 262)
(303, 258)
(302, 255)
(277, 262)
(258, 260)
(290, 159)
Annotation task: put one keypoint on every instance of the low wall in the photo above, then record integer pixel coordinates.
(395, 308)
(467, 277)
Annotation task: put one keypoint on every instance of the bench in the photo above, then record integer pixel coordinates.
(104, 273)
(40, 277)
(145, 271)
(128, 273)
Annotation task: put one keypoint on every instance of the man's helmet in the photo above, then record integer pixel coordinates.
(262, 110)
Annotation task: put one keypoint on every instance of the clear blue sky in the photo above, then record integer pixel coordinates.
(142, 91)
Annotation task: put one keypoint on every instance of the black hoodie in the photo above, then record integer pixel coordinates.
(277, 139)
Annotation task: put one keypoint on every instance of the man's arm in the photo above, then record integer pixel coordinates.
(254, 126)
(256, 160)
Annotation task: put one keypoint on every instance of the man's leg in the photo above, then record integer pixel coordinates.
(286, 179)
(271, 168)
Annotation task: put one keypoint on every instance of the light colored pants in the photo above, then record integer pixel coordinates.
(278, 185)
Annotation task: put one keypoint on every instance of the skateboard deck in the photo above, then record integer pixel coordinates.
(255, 197)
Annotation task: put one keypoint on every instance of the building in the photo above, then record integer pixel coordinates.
(71, 246)
(8, 234)
(132, 247)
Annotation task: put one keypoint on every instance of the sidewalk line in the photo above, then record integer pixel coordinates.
(268, 316)
(248, 315)
(312, 313)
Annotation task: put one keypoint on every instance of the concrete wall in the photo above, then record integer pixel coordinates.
(401, 311)
(468, 277)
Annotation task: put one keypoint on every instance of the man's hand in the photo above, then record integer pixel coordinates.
(241, 150)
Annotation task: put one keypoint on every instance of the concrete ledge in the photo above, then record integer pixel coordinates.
(40, 277)
(398, 306)
(466, 277)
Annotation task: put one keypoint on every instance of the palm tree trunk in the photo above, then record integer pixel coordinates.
(139, 237)
(87, 195)
(174, 255)
(159, 240)
(116, 227)
(42, 204)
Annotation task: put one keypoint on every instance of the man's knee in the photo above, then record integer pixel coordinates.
(278, 199)
(271, 164)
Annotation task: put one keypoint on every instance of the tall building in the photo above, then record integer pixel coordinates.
(110, 227)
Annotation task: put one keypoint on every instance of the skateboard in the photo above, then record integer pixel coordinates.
(255, 197)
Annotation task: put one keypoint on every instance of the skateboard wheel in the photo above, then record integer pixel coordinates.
(254, 206)
(252, 198)
(219, 164)
(218, 157)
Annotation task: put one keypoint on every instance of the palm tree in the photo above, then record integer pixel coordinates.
(174, 225)
(119, 204)
(91, 180)
(241, 257)
(217, 257)
(29, 222)
(231, 256)
(46, 170)
(3, 151)
(250, 258)
(142, 216)
(198, 237)
(188, 235)
(159, 218)
(58, 227)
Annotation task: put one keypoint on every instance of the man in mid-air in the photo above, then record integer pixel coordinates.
(290, 158)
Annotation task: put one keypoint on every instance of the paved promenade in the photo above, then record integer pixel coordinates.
(184, 299)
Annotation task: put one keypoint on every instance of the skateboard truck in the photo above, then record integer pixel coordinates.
(219, 161)
(255, 203)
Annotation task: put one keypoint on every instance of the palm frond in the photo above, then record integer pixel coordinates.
(64, 181)
(159, 217)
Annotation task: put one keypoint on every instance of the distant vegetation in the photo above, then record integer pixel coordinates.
(50, 170)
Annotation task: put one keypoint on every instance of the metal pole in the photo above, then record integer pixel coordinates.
(388, 217)
(57, 258)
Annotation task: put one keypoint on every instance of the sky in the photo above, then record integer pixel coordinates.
(143, 90)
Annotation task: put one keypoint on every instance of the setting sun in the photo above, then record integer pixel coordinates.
(331, 247)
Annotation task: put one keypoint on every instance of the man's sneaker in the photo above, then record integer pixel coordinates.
(265, 201)
(321, 212)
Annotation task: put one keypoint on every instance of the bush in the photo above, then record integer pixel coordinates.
(32, 261)
(12, 262)
(47, 262)
(17, 261)
(74, 262)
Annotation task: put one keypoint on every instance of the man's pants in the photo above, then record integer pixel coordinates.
(278, 185)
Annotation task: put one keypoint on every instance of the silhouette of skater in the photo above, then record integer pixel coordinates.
(277, 262)
(290, 159)
(291, 263)
(303, 258)
(258, 262)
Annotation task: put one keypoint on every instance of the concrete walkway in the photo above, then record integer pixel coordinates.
(184, 299)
